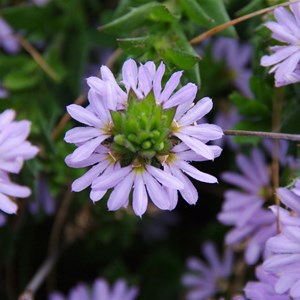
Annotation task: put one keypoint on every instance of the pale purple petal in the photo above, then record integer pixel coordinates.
(140, 198)
(156, 192)
(120, 194)
(81, 134)
(84, 116)
(171, 85)
(107, 181)
(165, 179)
(185, 94)
(7, 205)
(195, 173)
(85, 151)
(196, 145)
(202, 107)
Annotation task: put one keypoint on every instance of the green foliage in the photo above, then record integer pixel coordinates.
(148, 251)
(141, 131)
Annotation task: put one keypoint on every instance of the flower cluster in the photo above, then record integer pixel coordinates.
(236, 58)
(244, 209)
(141, 138)
(283, 260)
(285, 59)
(100, 291)
(14, 150)
(205, 280)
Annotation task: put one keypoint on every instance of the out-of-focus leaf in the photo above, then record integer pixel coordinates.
(24, 78)
(135, 46)
(56, 64)
(254, 125)
(249, 107)
(251, 7)
(263, 92)
(217, 11)
(137, 16)
(196, 13)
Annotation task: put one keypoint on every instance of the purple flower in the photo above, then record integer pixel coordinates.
(284, 258)
(14, 149)
(285, 58)
(236, 58)
(43, 199)
(3, 219)
(100, 291)
(205, 280)
(244, 209)
(264, 288)
(7, 39)
(3, 92)
(131, 138)
(176, 163)
(285, 159)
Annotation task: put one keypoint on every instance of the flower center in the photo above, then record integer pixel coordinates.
(142, 130)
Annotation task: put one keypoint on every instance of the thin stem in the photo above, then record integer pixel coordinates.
(39, 277)
(262, 134)
(37, 57)
(223, 26)
(57, 227)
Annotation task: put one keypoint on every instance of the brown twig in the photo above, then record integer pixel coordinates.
(39, 277)
(262, 134)
(223, 26)
(59, 221)
(37, 57)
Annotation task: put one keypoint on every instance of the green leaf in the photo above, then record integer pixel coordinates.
(196, 13)
(22, 79)
(217, 11)
(249, 107)
(135, 46)
(180, 58)
(137, 16)
(162, 14)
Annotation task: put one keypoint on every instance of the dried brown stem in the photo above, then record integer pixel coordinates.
(223, 26)
(39, 277)
(262, 134)
(37, 57)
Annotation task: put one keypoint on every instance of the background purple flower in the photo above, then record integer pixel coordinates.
(244, 208)
(284, 248)
(7, 39)
(264, 288)
(236, 57)
(43, 199)
(285, 59)
(14, 150)
(203, 279)
(99, 291)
